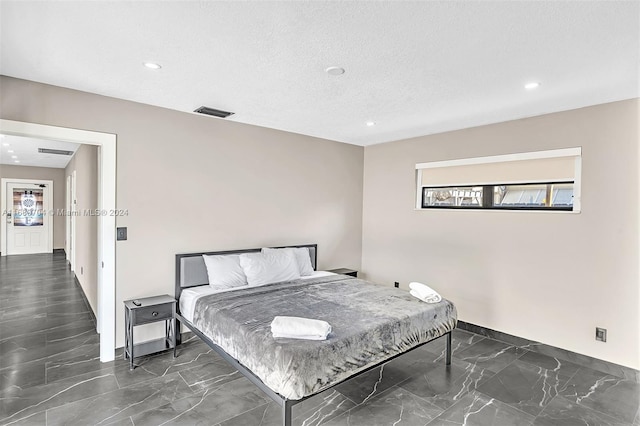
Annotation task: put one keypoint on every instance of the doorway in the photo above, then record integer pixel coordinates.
(106, 223)
(27, 227)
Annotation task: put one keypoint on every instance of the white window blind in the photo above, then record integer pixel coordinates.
(523, 171)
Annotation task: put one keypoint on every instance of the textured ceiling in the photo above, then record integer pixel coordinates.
(26, 152)
(414, 68)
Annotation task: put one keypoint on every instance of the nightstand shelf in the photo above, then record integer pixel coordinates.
(345, 271)
(146, 311)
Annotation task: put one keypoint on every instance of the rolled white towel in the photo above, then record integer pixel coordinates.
(300, 328)
(424, 292)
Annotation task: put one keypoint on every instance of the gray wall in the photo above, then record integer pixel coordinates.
(550, 277)
(195, 183)
(59, 188)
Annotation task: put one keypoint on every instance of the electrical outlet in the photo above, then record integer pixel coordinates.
(601, 334)
(396, 284)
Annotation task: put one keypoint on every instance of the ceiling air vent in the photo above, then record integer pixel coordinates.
(54, 151)
(214, 112)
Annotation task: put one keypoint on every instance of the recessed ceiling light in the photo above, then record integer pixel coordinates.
(14, 156)
(152, 65)
(335, 71)
(9, 151)
(532, 85)
(371, 123)
(16, 161)
(5, 144)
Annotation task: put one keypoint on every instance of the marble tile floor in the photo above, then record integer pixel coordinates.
(50, 374)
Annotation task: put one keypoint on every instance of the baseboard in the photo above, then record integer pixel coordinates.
(584, 360)
(86, 301)
(55, 251)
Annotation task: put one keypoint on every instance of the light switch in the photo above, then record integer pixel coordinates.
(121, 234)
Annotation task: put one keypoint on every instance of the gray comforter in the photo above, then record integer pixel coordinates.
(370, 323)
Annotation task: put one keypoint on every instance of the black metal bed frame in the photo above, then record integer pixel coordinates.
(285, 404)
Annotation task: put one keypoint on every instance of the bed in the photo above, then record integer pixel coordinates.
(371, 324)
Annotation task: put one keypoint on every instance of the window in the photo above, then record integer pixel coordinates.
(545, 180)
(557, 196)
(455, 196)
(533, 196)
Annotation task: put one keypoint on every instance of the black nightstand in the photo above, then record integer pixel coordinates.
(345, 271)
(145, 311)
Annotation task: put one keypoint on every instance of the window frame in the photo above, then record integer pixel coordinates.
(575, 153)
(488, 203)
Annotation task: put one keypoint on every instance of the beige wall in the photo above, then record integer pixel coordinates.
(193, 182)
(59, 188)
(550, 277)
(85, 164)
(198, 183)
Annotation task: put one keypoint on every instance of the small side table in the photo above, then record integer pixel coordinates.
(145, 311)
(345, 271)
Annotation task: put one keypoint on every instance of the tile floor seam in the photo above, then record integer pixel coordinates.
(188, 385)
(571, 378)
(511, 406)
(617, 420)
(601, 412)
(418, 397)
(581, 365)
(116, 379)
(545, 408)
(246, 411)
(352, 401)
(105, 393)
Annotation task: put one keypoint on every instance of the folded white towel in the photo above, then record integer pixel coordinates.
(298, 336)
(424, 293)
(300, 328)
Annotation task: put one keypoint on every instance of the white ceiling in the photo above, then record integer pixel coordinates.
(26, 152)
(414, 68)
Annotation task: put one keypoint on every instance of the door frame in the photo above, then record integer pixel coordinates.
(72, 224)
(106, 223)
(47, 206)
(67, 222)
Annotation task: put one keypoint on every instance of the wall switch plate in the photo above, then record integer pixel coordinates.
(601, 334)
(396, 284)
(121, 234)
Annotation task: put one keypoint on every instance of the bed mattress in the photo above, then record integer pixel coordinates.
(370, 323)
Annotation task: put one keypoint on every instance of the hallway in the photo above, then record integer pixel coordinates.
(50, 369)
(45, 326)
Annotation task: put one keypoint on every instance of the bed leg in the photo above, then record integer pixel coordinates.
(449, 348)
(286, 413)
(178, 333)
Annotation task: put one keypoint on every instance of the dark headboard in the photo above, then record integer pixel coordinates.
(192, 272)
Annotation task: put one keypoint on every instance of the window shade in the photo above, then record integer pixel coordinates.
(538, 170)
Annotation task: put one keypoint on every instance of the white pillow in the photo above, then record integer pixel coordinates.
(224, 271)
(301, 255)
(267, 268)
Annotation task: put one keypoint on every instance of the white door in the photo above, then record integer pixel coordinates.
(27, 219)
